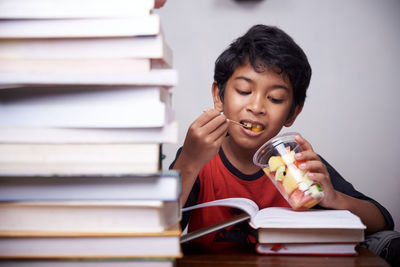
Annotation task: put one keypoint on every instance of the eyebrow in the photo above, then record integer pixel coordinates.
(244, 78)
(277, 86)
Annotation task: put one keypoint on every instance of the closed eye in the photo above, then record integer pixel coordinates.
(275, 100)
(241, 92)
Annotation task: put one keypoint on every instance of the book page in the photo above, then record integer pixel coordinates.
(278, 217)
(247, 205)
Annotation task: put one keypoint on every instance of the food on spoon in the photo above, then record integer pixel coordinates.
(250, 126)
(256, 128)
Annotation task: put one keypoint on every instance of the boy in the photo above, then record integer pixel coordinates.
(261, 79)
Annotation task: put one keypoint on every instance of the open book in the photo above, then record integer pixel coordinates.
(284, 225)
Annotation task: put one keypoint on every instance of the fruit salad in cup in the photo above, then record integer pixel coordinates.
(276, 158)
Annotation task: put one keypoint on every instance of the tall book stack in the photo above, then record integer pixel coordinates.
(85, 89)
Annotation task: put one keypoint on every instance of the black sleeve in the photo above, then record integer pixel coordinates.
(193, 196)
(341, 185)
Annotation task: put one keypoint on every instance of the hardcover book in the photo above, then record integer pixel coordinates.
(86, 107)
(79, 159)
(61, 9)
(284, 225)
(88, 216)
(81, 28)
(164, 186)
(37, 245)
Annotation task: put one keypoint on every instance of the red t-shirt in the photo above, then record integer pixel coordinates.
(219, 179)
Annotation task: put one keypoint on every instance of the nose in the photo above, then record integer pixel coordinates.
(256, 104)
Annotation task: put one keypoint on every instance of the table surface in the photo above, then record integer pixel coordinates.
(251, 258)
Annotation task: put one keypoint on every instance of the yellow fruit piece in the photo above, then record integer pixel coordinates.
(280, 173)
(256, 128)
(311, 203)
(275, 162)
(289, 183)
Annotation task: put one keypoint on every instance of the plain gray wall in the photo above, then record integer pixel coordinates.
(351, 112)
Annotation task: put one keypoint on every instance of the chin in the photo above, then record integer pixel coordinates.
(249, 145)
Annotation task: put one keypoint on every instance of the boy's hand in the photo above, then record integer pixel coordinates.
(316, 171)
(367, 211)
(204, 138)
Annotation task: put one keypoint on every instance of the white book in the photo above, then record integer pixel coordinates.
(92, 107)
(87, 65)
(163, 186)
(131, 47)
(308, 249)
(130, 245)
(138, 262)
(82, 159)
(155, 77)
(141, 47)
(281, 225)
(80, 28)
(167, 134)
(50, 9)
(90, 216)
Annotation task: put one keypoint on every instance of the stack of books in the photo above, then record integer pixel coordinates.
(285, 231)
(84, 110)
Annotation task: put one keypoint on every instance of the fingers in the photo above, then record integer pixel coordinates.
(209, 127)
(310, 161)
(204, 137)
(313, 167)
(304, 144)
(206, 117)
(214, 134)
(307, 153)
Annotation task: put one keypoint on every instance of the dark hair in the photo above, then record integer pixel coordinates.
(266, 47)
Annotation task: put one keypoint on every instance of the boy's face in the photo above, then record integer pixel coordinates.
(263, 99)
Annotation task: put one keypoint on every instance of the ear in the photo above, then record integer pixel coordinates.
(292, 118)
(218, 104)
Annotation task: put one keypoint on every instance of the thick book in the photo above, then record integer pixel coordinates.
(308, 249)
(60, 9)
(155, 77)
(88, 216)
(143, 47)
(87, 65)
(48, 135)
(79, 159)
(80, 28)
(86, 107)
(97, 262)
(164, 186)
(284, 225)
(128, 245)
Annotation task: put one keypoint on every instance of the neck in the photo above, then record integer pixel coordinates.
(241, 158)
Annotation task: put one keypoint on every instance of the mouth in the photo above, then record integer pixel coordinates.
(252, 126)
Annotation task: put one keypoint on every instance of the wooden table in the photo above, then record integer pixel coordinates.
(250, 258)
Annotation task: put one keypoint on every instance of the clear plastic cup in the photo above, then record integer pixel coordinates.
(276, 158)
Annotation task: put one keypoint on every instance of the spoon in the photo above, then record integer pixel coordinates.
(240, 124)
(249, 126)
